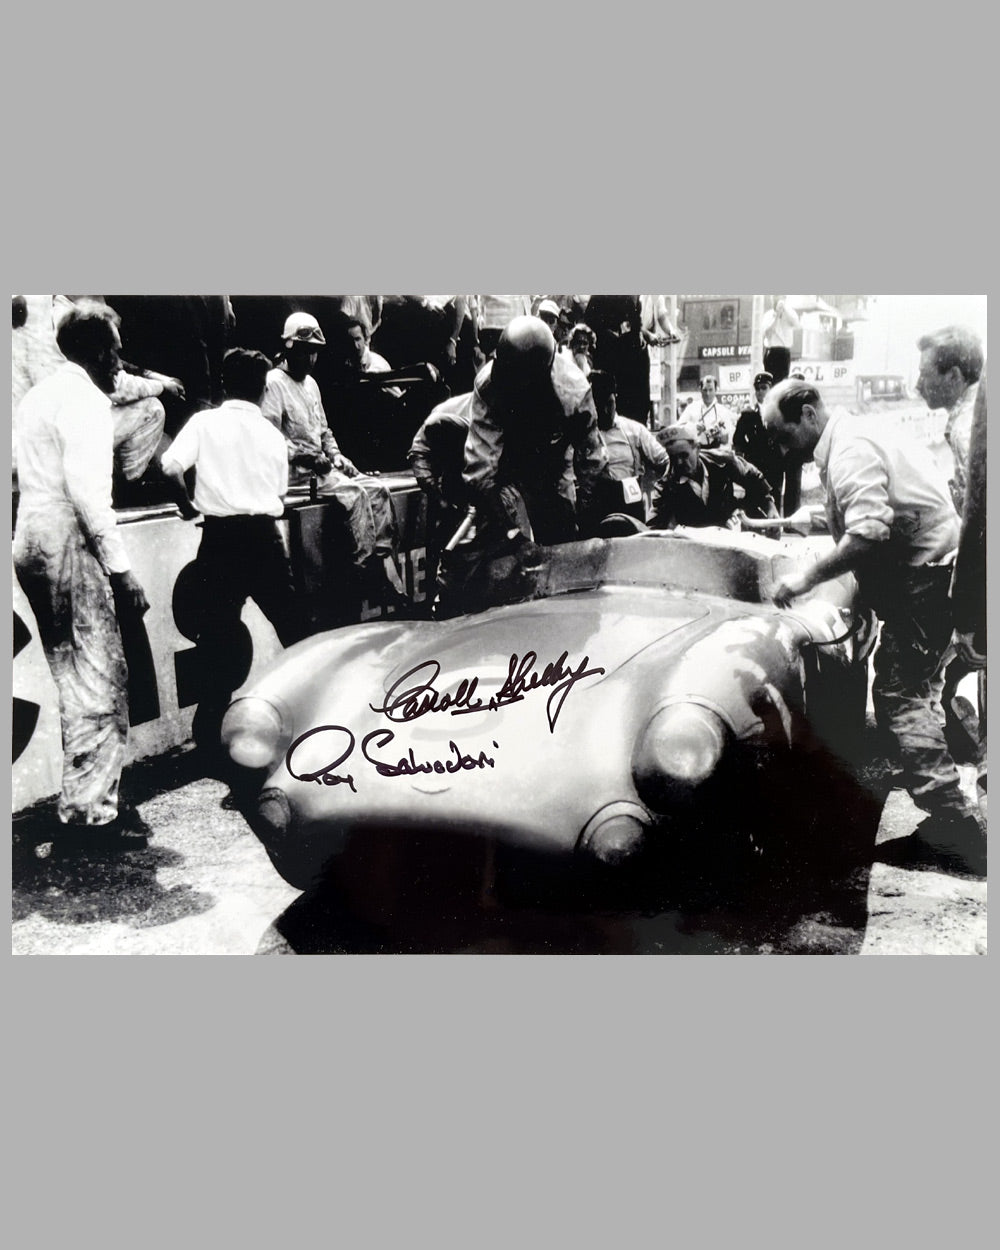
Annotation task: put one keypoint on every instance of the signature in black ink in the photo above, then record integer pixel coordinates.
(325, 776)
(378, 739)
(521, 679)
(408, 767)
(406, 703)
(414, 694)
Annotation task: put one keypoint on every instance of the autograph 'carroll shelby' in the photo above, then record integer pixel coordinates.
(414, 695)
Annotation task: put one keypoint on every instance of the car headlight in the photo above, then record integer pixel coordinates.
(253, 733)
(679, 750)
(615, 834)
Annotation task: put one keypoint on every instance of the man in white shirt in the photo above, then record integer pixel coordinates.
(896, 530)
(635, 457)
(241, 467)
(494, 314)
(76, 575)
(951, 363)
(137, 414)
(778, 333)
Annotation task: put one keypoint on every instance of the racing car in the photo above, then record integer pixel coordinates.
(618, 695)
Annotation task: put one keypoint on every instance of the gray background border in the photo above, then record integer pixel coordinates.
(473, 1101)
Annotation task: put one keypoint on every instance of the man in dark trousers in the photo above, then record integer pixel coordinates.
(706, 487)
(437, 458)
(241, 465)
(753, 443)
(896, 530)
(621, 350)
(968, 588)
(778, 333)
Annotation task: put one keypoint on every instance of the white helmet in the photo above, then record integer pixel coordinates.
(301, 327)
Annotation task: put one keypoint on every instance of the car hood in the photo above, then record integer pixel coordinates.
(531, 688)
(520, 720)
(594, 625)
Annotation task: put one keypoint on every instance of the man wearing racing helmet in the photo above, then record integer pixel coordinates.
(293, 403)
(533, 450)
(532, 455)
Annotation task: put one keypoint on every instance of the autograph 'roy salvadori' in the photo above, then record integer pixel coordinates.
(414, 694)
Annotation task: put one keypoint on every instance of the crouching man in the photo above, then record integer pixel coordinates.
(706, 487)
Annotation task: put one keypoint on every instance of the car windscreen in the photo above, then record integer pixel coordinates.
(717, 562)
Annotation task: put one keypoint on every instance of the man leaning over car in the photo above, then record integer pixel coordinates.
(897, 531)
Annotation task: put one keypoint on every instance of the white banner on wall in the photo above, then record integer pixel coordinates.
(734, 378)
(830, 372)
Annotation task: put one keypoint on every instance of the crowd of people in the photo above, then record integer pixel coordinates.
(526, 422)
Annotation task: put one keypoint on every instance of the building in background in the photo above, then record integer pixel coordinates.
(719, 338)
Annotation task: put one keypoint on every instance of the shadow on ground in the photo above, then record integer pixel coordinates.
(474, 897)
(93, 887)
(794, 884)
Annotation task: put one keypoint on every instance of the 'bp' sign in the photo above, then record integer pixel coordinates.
(828, 372)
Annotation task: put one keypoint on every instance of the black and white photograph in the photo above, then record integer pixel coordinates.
(499, 624)
(399, 628)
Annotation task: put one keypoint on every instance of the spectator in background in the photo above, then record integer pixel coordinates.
(374, 409)
(495, 313)
(549, 312)
(138, 415)
(778, 333)
(179, 336)
(706, 487)
(635, 457)
(366, 308)
(75, 572)
(621, 350)
(34, 351)
(360, 356)
(449, 314)
(951, 361)
(753, 443)
(437, 330)
(710, 418)
(657, 328)
(580, 347)
(896, 530)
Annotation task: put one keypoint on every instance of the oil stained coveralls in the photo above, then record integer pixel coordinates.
(65, 547)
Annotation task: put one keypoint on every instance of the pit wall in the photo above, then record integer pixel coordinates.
(161, 547)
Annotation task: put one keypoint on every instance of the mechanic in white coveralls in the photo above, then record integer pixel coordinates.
(72, 565)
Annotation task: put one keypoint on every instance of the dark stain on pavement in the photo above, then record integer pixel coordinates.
(87, 889)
